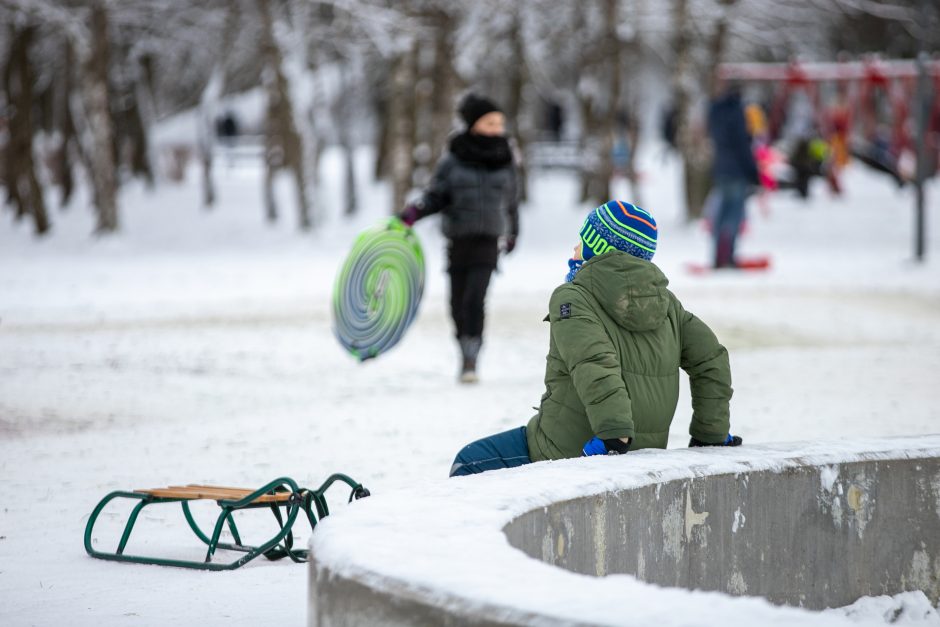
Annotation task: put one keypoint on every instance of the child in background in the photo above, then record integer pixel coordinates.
(618, 340)
(474, 189)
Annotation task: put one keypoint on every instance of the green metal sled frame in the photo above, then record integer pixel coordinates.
(282, 492)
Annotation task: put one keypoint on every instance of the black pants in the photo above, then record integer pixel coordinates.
(470, 263)
(467, 298)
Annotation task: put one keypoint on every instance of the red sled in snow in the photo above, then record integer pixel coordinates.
(747, 264)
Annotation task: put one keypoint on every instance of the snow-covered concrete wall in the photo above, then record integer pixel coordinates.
(811, 536)
(813, 524)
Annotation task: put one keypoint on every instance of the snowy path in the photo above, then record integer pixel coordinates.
(197, 348)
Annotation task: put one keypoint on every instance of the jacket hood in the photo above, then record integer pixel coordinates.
(632, 291)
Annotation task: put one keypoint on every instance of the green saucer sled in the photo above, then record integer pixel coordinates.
(282, 493)
(378, 289)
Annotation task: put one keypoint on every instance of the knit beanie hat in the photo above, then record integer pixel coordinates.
(474, 107)
(618, 225)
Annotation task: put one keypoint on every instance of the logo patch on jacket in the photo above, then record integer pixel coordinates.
(565, 311)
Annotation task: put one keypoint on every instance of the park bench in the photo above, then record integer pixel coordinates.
(282, 493)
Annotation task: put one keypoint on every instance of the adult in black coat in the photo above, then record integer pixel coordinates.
(734, 171)
(474, 189)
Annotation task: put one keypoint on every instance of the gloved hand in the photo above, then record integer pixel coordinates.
(731, 440)
(409, 215)
(510, 244)
(597, 446)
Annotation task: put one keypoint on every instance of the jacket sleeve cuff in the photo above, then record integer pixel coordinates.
(610, 434)
(708, 438)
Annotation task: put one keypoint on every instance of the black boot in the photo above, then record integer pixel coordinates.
(469, 349)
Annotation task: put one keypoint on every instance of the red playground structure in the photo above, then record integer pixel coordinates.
(865, 108)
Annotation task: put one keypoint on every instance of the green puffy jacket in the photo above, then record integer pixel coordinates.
(618, 340)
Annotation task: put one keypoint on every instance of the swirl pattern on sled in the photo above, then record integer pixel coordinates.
(378, 289)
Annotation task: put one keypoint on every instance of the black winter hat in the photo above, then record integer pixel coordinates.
(474, 107)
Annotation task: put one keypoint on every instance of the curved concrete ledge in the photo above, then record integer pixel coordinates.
(811, 524)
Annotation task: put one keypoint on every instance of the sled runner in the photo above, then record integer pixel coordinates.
(280, 493)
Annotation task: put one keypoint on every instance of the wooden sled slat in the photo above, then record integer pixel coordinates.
(215, 493)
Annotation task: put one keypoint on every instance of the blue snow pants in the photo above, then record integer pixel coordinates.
(503, 450)
(733, 197)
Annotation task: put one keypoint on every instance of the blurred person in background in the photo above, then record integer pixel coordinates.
(734, 171)
(474, 189)
(839, 123)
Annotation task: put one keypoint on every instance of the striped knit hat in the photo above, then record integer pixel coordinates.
(618, 225)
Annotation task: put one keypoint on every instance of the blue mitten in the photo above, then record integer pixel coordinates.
(594, 446)
(597, 446)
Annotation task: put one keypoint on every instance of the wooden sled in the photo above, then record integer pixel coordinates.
(280, 493)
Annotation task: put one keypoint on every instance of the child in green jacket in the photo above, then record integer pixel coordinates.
(618, 341)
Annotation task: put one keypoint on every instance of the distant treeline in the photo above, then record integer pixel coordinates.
(85, 81)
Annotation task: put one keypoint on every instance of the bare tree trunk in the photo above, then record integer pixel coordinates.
(352, 201)
(208, 184)
(208, 108)
(587, 144)
(146, 114)
(718, 44)
(591, 149)
(131, 141)
(518, 81)
(318, 122)
(284, 146)
(614, 51)
(631, 57)
(208, 103)
(344, 130)
(444, 81)
(139, 141)
(315, 122)
(587, 156)
(382, 107)
(633, 142)
(698, 150)
(65, 126)
(695, 176)
(10, 164)
(270, 204)
(24, 188)
(401, 114)
(422, 110)
(99, 126)
(600, 109)
(273, 149)
(694, 146)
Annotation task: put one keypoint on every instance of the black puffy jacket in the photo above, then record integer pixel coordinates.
(474, 198)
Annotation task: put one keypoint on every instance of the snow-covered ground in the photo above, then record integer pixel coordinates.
(196, 347)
